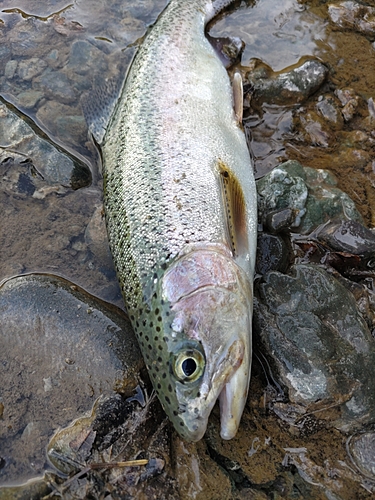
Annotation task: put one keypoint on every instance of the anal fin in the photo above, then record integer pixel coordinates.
(238, 97)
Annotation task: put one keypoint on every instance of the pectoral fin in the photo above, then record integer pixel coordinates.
(235, 210)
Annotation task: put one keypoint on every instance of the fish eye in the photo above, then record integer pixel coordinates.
(188, 365)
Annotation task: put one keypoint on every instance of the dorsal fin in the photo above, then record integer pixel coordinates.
(235, 208)
(98, 106)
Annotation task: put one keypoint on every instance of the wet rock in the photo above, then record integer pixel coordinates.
(32, 490)
(10, 69)
(28, 37)
(279, 220)
(272, 254)
(361, 449)
(314, 129)
(353, 15)
(54, 165)
(29, 98)
(53, 59)
(58, 119)
(83, 57)
(30, 68)
(348, 236)
(311, 194)
(290, 86)
(329, 108)
(323, 350)
(60, 349)
(350, 102)
(96, 237)
(57, 86)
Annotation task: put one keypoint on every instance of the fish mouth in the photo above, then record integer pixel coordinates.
(229, 384)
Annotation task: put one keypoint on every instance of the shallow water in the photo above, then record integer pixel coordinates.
(53, 52)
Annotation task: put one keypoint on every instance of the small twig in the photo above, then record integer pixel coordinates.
(109, 465)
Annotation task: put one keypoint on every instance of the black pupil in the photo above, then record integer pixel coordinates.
(189, 366)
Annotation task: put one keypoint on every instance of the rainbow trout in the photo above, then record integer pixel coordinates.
(180, 205)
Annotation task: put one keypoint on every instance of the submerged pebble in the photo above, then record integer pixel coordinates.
(353, 15)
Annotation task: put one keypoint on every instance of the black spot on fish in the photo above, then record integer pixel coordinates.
(167, 400)
(169, 388)
(159, 386)
(160, 360)
(146, 337)
(160, 347)
(157, 311)
(164, 375)
(159, 319)
(150, 347)
(158, 329)
(156, 339)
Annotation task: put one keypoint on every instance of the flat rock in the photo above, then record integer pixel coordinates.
(60, 350)
(22, 141)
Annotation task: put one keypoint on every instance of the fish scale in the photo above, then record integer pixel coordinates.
(171, 153)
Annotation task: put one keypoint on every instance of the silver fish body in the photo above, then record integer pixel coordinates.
(180, 205)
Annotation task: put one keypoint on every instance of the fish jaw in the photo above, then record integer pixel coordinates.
(211, 309)
(228, 373)
(233, 399)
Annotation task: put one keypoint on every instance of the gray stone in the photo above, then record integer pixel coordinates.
(30, 68)
(285, 87)
(361, 449)
(29, 99)
(330, 110)
(319, 342)
(53, 164)
(312, 195)
(56, 85)
(60, 349)
(83, 57)
(353, 15)
(10, 68)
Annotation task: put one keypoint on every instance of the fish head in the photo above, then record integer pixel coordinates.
(207, 342)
